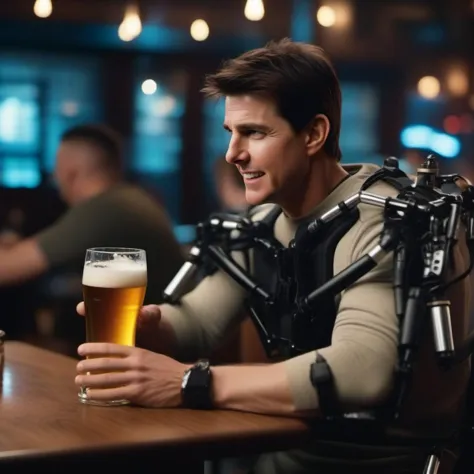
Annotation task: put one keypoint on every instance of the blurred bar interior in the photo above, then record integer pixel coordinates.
(406, 68)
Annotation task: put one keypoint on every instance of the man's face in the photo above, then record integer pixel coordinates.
(271, 157)
(67, 155)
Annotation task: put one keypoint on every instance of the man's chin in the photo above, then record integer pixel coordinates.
(256, 198)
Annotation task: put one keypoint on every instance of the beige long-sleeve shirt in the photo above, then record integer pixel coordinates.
(363, 352)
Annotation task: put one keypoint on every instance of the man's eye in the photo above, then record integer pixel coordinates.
(254, 133)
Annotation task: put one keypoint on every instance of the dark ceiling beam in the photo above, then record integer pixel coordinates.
(55, 35)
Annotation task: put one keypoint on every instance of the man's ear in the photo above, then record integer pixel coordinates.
(317, 134)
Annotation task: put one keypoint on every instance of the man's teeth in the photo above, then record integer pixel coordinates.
(253, 175)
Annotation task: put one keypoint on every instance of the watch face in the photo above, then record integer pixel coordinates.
(202, 364)
(196, 385)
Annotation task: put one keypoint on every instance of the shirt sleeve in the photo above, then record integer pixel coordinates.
(362, 354)
(68, 238)
(363, 351)
(204, 315)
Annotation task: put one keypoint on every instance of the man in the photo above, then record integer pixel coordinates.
(104, 211)
(282, 112)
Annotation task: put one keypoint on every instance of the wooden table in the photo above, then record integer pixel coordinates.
(43, 426)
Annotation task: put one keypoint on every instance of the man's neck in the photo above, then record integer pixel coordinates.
(323, 179)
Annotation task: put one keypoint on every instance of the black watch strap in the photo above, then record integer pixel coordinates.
(322, 380)
(196, 388)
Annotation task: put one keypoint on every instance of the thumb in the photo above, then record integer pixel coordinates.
(80, 308)
(149, 313)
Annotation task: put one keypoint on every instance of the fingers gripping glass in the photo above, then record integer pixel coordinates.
(114, 283)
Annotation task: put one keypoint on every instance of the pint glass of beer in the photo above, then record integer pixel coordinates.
(114, 284)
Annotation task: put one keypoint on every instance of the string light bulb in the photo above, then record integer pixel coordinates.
(326, 16)
(199, 30)
(254, 10)
(457, 81)
(429, 87)
(149, 87)
(131, 25)
(43, 8)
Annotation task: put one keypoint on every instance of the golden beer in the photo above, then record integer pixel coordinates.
(111, 313)
(114, 285)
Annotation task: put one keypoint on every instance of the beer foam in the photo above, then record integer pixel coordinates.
(117, 273)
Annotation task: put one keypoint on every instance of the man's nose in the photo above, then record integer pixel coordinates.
(236, 152)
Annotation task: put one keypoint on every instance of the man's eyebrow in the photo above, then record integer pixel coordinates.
(249, 126)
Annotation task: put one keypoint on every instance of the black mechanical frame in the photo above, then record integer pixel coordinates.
(421, 228)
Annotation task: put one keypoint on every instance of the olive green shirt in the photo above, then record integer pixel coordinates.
(123, 216)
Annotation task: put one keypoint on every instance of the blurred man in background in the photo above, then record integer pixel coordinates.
(104, 212)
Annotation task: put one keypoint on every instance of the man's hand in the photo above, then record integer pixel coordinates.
(121, 372)
(148, 323)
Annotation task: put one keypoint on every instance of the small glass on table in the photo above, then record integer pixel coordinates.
(2, 354)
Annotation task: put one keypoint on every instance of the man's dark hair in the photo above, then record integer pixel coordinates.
(102, 137)
(298, 77)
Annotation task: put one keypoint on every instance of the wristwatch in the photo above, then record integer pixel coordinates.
(196, 387)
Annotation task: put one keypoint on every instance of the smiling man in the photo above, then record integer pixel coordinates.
(274, 160)
(282, 112)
